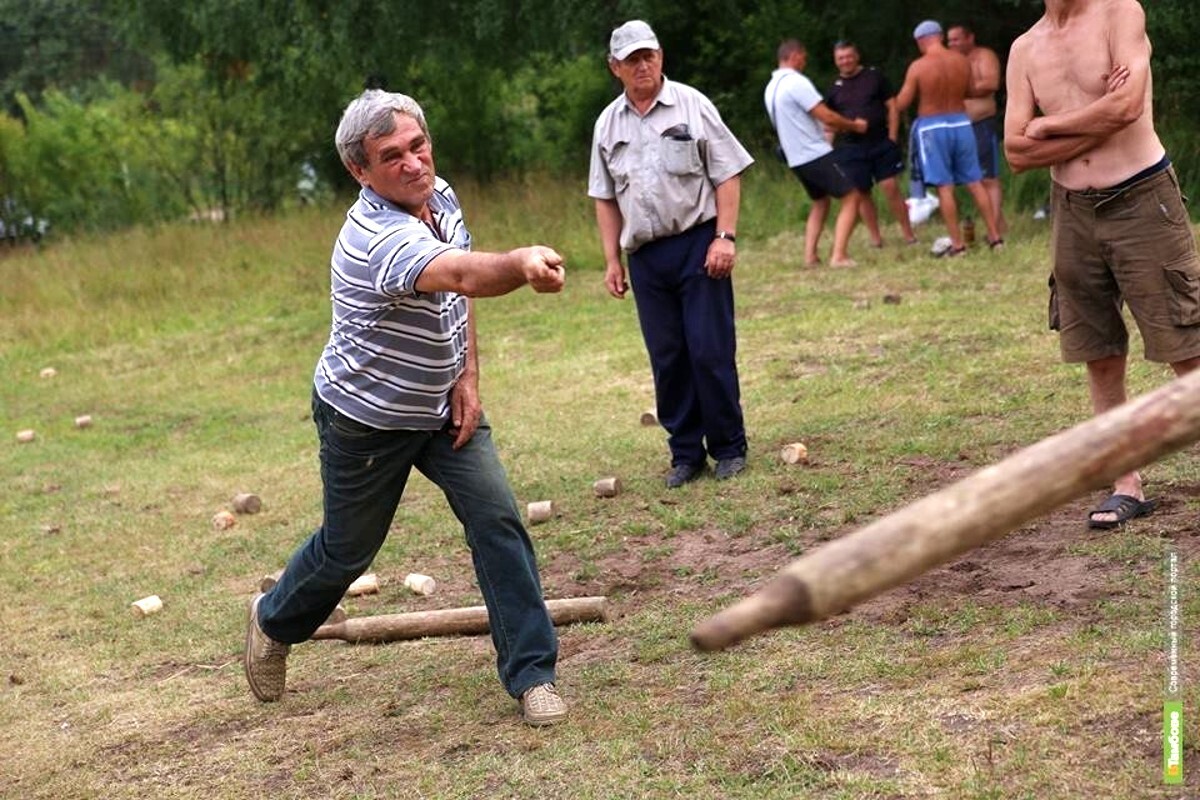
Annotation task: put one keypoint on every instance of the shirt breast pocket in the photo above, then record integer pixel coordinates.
(618, 160)
(682, 156)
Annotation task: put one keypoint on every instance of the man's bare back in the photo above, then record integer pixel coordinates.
(939, 78)
(1086, 65)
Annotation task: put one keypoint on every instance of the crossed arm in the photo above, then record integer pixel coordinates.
(1031, 141)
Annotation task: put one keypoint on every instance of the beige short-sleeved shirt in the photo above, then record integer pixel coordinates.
(663, 168)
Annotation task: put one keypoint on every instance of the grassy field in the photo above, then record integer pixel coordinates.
(1031, 668)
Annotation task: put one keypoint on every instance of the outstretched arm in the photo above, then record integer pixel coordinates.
(477, 274)
(835, 121)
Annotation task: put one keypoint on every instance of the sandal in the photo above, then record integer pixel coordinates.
(1125, 506)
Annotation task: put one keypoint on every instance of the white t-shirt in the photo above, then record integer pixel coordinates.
(789, 97)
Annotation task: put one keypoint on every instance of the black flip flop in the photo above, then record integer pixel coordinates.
(1124, 506)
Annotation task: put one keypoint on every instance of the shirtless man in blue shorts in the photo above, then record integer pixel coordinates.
(943, 134)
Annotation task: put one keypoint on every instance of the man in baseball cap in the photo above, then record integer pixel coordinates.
(629, 38)
(929, 27)
(665, 176)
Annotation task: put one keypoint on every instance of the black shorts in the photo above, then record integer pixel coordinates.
(824, 177)
(987, 142)
(867, 163)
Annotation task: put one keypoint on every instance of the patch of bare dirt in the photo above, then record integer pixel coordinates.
(1044, 562)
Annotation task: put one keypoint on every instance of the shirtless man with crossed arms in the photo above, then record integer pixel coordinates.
(1121, 232)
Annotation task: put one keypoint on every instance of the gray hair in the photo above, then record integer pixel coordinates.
(372, 113)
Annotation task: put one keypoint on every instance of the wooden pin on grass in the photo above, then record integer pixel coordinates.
(48, 372)
(364, 584)
(26, 436)
(267, 582)
(83, 421)
(794, 453)
(607, 487)
(223, 520)
(540, 511)
(146, 606)
(420, 584)
(649, 417)
(246, 503)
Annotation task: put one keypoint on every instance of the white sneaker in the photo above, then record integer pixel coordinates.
(265, 660)
(541, 705)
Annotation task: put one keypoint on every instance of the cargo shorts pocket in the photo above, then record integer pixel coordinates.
(1185, 294)
(1052, 311)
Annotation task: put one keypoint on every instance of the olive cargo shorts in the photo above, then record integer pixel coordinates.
(1131, 245)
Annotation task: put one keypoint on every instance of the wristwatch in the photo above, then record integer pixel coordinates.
(726, 235)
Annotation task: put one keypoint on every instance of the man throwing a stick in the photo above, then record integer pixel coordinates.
(1121, 232)
(397, 387)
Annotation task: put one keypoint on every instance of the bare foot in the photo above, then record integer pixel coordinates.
(843, 262)
(812, 262)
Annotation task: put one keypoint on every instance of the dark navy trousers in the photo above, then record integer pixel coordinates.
(687, 324)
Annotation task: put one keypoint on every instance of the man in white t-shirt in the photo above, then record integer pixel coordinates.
(798, 112)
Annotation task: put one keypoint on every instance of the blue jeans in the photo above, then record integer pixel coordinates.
(364, 471)
(688, 325)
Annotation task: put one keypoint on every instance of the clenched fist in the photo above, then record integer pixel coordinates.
(542, 267)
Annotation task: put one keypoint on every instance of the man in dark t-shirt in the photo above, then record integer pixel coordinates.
(874, 156)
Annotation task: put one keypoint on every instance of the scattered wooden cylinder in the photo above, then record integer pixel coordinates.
(452, 622)
(981, 507)
(649, 417)
(146, 606)
(607, 487)
(420, 584)
(223, 520)
(48, 372)
(794, 453)
(364, 584)
(267, 582)
(245, 503)
(540, 511)
(26, 436)
(83, 421)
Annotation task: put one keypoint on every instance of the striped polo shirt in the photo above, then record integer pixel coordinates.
(394, 353)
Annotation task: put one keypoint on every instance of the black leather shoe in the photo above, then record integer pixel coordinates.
(683, 473)
(728, 467)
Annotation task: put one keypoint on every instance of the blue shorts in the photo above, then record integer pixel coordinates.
(946, 143)
(868, 163)
(987, 145)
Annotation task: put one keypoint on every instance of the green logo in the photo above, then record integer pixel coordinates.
(1173, 742)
